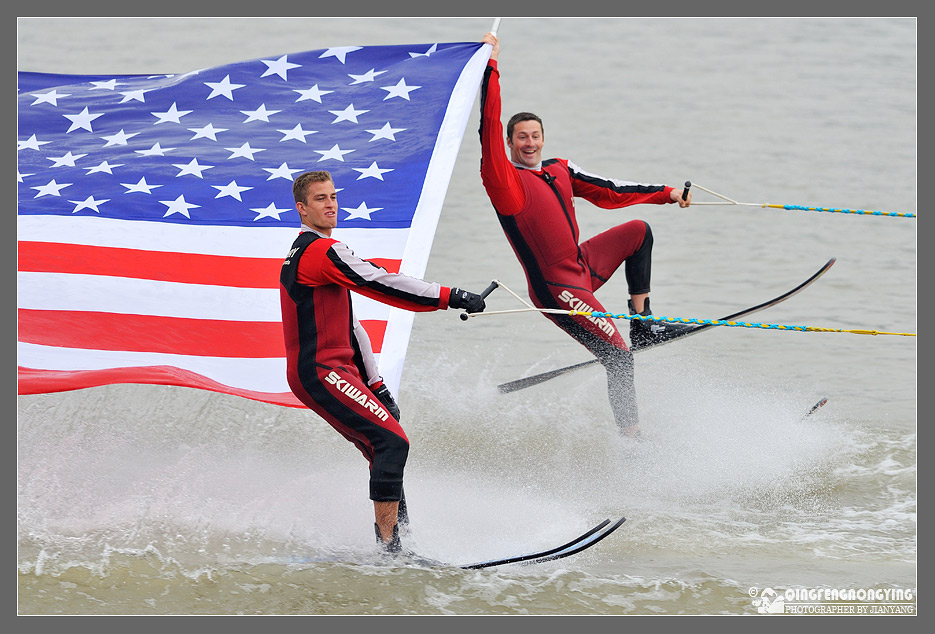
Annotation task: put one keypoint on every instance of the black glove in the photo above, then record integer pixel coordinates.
(383, 393)
(471, 302)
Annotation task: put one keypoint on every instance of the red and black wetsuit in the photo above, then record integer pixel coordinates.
(330, 363)
(537, 212)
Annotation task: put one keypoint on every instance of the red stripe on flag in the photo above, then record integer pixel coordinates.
(390, 265)
(32, 381)
(376, 330)
(148, 333)
(190, 268)
(169, 335)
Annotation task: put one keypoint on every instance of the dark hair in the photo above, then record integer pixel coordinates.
(522, 116)
(300, 185)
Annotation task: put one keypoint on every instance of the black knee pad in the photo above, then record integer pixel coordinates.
(386, 473)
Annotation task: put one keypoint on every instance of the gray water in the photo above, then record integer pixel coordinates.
(159, 500)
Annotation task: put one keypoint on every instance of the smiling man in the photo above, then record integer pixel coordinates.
(330, 364)
(534, 201)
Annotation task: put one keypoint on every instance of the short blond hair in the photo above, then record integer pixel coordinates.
(300, 184)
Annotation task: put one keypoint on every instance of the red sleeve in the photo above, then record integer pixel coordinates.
(500, 178)
(328, 261)
(609, 193)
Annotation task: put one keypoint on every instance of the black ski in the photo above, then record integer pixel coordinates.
(406, 557)
(529, 381)
(583, 541)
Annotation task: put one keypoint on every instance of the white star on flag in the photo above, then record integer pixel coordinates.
(51, 188)
(399, 90)
(88, 203)
(172, 115)
(279, 67)
(283, 171)
(370, 75)
(260, 114)
(232, 189)
(156, 150)
(386, 132)
(296, 133)
(270, 211)
(110, 84)
(372, 172)
(140, 186)
(120, 138)
(314, 93)
(340, 52)
(32, 143)
(134, 95)
(348, 114)
(334, 153)
(427, 53)
(206, 132)
(244, 151)
(361, 211)
(192, 167)
(223, 88)
(103, 167)
(82, 120)
(178, 206)
(67, 159)
(50, 97)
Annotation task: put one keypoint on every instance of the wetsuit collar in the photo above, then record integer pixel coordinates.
(305, 227)
(531, 169)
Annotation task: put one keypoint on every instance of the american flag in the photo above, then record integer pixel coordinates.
(154, 211)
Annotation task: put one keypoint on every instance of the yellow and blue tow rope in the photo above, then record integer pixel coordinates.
(735, 324)
(856, 212)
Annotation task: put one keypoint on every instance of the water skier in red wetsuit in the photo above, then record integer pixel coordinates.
(534, 201)
(330, 362)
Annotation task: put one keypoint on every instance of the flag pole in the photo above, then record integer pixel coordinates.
(496, 25)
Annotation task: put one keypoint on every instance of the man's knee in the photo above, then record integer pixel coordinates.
(647, 236)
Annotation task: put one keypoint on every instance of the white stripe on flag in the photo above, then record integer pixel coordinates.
(244, 242)
(260, 375)
(130, 296)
